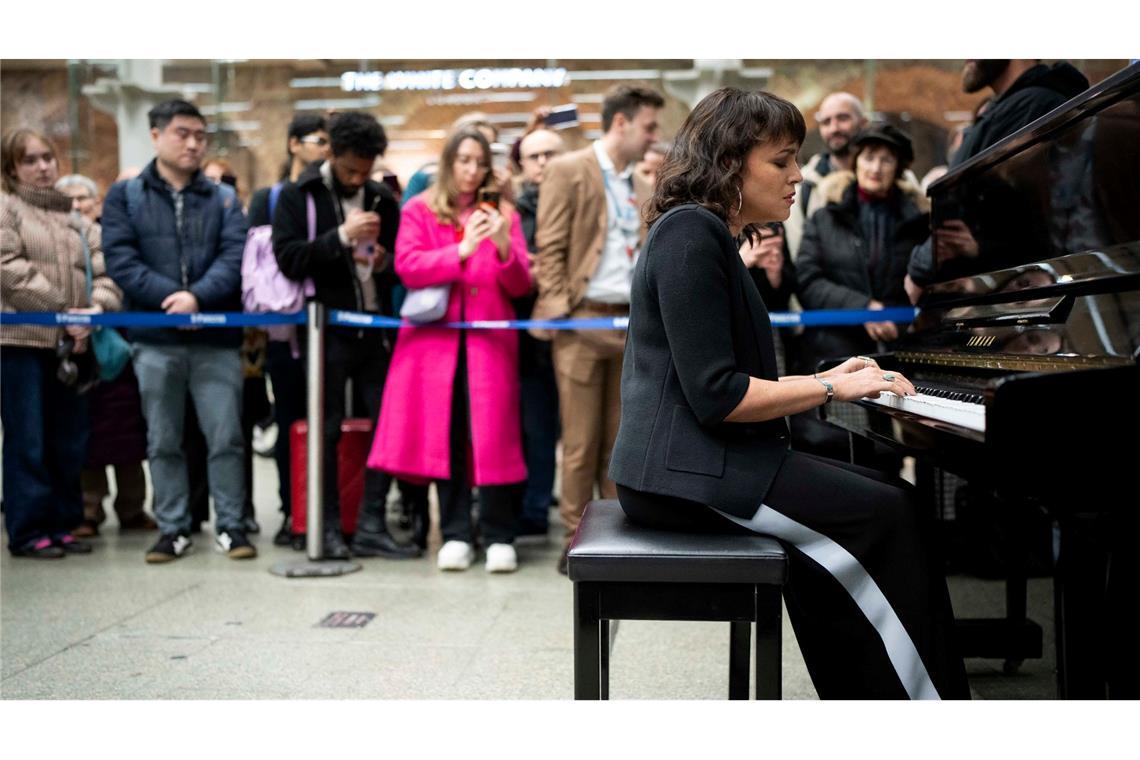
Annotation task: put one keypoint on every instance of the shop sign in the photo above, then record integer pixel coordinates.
(453, 79)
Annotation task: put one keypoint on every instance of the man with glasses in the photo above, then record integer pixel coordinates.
(308, 141)
(173, 242)
(536, 369)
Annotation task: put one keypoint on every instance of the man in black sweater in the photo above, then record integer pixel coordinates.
(350, 263)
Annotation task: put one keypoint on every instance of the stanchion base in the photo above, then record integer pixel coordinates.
(314, 568)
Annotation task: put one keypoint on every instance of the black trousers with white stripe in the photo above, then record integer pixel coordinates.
(866, 594)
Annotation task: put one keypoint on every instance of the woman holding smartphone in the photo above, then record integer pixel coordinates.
(703, 441)
(450, 412)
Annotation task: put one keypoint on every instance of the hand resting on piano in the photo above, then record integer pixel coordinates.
(854, 379)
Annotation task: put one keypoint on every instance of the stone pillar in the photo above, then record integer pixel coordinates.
(709, 74)
(137, 89)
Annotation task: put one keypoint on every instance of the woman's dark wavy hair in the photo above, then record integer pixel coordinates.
(710, 150)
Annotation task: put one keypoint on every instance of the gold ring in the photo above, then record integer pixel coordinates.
(889, 377)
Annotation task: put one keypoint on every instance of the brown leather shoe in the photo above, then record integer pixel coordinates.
(141, 522)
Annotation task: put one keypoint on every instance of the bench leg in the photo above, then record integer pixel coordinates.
(604, 659)
(739, 640)
(768, 634)
(587, 642)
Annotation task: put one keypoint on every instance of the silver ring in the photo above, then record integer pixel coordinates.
(867, 362)
(889, 377)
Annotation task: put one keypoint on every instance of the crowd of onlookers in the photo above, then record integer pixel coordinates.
(486, 232)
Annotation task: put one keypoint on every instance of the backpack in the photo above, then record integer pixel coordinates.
(263, 287)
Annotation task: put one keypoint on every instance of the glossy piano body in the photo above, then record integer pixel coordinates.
(1038, 316)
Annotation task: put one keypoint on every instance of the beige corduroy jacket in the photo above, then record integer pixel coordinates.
(42, 266)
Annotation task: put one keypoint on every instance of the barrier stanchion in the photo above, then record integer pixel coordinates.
(316, 565)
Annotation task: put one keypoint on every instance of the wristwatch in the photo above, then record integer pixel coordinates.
(830, 388)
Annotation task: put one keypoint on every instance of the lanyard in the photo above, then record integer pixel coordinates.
(625, 218)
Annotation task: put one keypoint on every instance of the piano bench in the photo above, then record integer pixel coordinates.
(622, 571)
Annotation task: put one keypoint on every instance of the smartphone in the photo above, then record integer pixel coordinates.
(488, 199)
(562, 117)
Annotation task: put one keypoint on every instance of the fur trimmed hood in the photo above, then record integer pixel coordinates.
(832, 187)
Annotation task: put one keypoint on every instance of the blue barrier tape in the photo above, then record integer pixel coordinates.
(152, 319)
(823, 318)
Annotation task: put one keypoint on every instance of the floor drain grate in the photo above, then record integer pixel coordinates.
(346, 620)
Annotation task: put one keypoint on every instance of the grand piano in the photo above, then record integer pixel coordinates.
(1026, 355)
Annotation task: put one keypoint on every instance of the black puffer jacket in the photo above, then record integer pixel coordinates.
(832, 266)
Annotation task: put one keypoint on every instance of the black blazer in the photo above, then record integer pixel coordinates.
(697, 331)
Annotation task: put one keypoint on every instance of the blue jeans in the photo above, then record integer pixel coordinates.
(45, 445)
(541, 429)
(213, 378)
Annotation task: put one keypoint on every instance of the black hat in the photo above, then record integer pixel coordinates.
(881, 132)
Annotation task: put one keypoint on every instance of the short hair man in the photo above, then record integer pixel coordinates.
(840, 117)
(536, 150)
(589, 231)
(173, 242)
(539, 396)
(350, 263)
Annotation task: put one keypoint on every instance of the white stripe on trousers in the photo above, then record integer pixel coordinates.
(859, 584)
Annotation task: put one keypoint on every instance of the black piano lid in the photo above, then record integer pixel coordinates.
(1065, 184)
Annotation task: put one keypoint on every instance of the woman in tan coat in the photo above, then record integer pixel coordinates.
(43, 267)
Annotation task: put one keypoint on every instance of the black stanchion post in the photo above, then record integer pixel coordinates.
(315, 565)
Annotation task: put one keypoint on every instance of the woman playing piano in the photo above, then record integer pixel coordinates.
(703, 443)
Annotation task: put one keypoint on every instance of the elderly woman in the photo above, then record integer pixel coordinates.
(43, 267)
(452, 397)
(855, 250)
(118, 432)
(703, 443)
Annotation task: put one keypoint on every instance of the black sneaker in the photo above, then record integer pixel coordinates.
(169, 547)
(235, 545)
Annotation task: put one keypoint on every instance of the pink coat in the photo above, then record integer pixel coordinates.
(415, 414)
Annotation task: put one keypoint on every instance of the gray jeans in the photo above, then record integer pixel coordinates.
(213, 377)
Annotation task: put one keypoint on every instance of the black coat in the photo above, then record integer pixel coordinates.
(832, 270)
(697, 331)
(324, 259)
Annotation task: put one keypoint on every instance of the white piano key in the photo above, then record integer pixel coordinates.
(965, 414)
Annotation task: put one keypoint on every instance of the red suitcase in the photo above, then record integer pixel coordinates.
(355, 443)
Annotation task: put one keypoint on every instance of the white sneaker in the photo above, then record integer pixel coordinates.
(501, 558)
(455, 555)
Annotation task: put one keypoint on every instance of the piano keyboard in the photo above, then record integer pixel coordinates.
(969, 414)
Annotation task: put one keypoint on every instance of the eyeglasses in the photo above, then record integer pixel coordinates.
(315, 140)
(547, 154)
